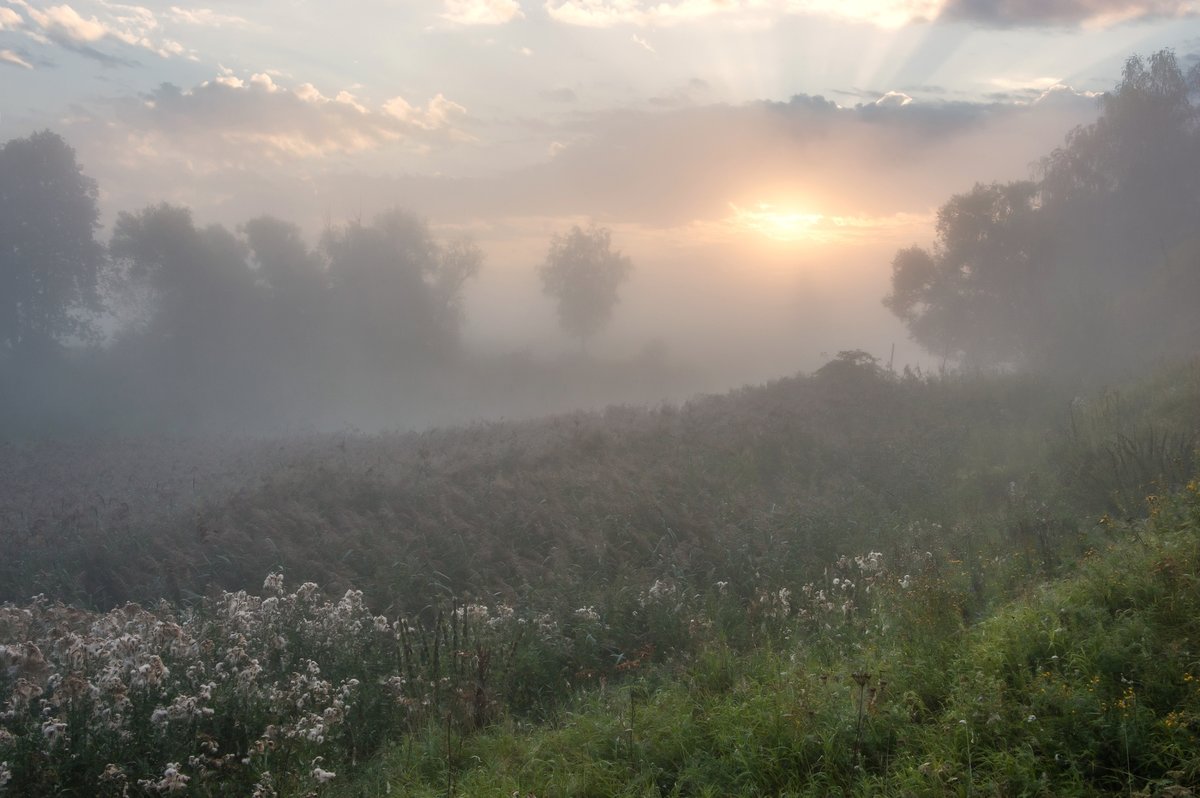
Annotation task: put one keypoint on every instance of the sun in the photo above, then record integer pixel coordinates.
(775, 222)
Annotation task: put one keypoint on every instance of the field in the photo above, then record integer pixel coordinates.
(854, 582)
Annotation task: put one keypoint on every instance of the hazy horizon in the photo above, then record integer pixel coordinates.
(759, 161)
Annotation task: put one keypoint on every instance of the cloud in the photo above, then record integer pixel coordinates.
(645, 45)
(134, 26)
(1092, 13)
(482, 12)
(234, 120)
(205, 18)
(14, 59)
(894, 98)
(881, 13)
(437, 115)
(9, 19)
(669, 168)
(63, 23)
(241, 144)
(609, 13)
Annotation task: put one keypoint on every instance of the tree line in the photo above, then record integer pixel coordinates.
(175, 324)
(1090, 268)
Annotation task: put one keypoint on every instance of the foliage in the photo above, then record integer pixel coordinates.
(582, 273)
(236, 326)
(1088, 270)
(970, 299)
(1086, 686)
(50, 262)
(396, 284)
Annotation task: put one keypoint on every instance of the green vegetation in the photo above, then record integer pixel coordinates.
(849, 583)
(1083, 686)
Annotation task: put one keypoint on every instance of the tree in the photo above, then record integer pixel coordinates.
(1091, 267)
(971, 297)
(198, 351)
(397, 289)
(583, 273)
(286, 265)
(50, 261)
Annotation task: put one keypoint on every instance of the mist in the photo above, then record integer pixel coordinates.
(760, 238)
(605, 397)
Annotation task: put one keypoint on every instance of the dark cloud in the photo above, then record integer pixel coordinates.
(807, 102)
(1021, 13)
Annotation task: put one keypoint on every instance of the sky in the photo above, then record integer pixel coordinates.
(759, 160)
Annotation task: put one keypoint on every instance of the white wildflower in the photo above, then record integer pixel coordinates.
(172, 780)
(52, 730)
(273, 584)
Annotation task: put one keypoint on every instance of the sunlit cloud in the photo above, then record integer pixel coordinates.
(205, 18)
(482, 12)
(14, 59)
(134, 26)
(645, 45)
(789, 225)
(894, 98)
(781, 224)
(1006, 83)
(232, 120)
(64, 22)
(9, 19)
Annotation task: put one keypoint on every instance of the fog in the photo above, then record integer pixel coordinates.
(215, 247)
(477, 397)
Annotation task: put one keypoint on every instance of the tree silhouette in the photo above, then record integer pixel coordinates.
(50, 261)
(1095, 265)
(968, 299)
(582, 273)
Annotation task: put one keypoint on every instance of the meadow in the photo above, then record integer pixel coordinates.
(854, 582)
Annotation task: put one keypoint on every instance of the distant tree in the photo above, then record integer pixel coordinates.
(296, 341)
(396, 288)
(50, 261)
(582, 273)
(201, 344)
(285, 263)
(195, 275)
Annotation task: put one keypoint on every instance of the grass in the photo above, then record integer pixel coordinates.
(1087, 685)
(851, 583)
